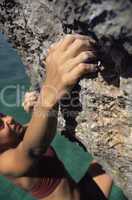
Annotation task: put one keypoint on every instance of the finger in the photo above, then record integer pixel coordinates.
(70, 38)
(78, 46)
(84, 57)
(82, 69)
(28, 108)
(28, 103)
(28, 94)
(32, 98)
(31, 104)
(85, 37)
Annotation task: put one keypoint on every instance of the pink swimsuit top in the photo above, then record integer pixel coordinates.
(46, 185)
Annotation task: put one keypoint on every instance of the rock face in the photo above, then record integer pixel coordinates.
(99, 108)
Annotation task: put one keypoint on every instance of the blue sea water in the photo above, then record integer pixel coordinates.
(13, 82)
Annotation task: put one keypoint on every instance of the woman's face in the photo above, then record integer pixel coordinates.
(10, 132)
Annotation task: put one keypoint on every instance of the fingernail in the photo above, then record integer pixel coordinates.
(94, 69)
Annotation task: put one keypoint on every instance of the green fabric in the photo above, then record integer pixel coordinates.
(75, 160)
(9, 191)
(116, 193)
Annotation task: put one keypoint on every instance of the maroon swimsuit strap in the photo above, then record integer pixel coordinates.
(46, 185)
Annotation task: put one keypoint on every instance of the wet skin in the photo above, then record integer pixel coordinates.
(11, 132)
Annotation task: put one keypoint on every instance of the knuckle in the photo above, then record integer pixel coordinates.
(85, 55)
(70, 37)
(91, 53)
(89, 38)
(64, 80)
(92, 40)
(88, 43)
(82, 65)
(79, 42)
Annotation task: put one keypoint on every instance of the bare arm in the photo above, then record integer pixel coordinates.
(65, 65)
(61, 76)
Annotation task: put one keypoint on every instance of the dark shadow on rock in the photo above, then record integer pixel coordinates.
(116, 60)
(70, 107)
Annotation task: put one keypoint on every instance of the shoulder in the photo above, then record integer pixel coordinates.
(14, 162)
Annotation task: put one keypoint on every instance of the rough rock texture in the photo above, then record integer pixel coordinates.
(101, 115)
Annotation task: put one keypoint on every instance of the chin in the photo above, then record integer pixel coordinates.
(6, 147)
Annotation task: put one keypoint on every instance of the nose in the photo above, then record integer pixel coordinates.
(8, 119)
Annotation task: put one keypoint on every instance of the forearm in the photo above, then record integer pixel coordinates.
(42, 127)
(61, 75)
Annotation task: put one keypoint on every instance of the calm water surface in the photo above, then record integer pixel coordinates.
(13, 82)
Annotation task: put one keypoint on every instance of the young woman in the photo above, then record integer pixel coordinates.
(25, 150)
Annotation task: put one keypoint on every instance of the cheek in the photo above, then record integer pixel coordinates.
(4, 140)
(5, 143)
(5, 136)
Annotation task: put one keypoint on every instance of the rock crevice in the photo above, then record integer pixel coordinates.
(102, 115)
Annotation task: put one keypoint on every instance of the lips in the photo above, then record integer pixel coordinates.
(17, 127)
(17, 130)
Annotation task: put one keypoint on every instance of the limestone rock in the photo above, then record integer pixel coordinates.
(100, 106)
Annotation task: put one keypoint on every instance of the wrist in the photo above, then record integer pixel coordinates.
(46, 105)
(48, 97)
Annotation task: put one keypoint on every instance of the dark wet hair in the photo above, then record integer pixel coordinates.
(1, 147)
(1, 121)
(2, 114)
